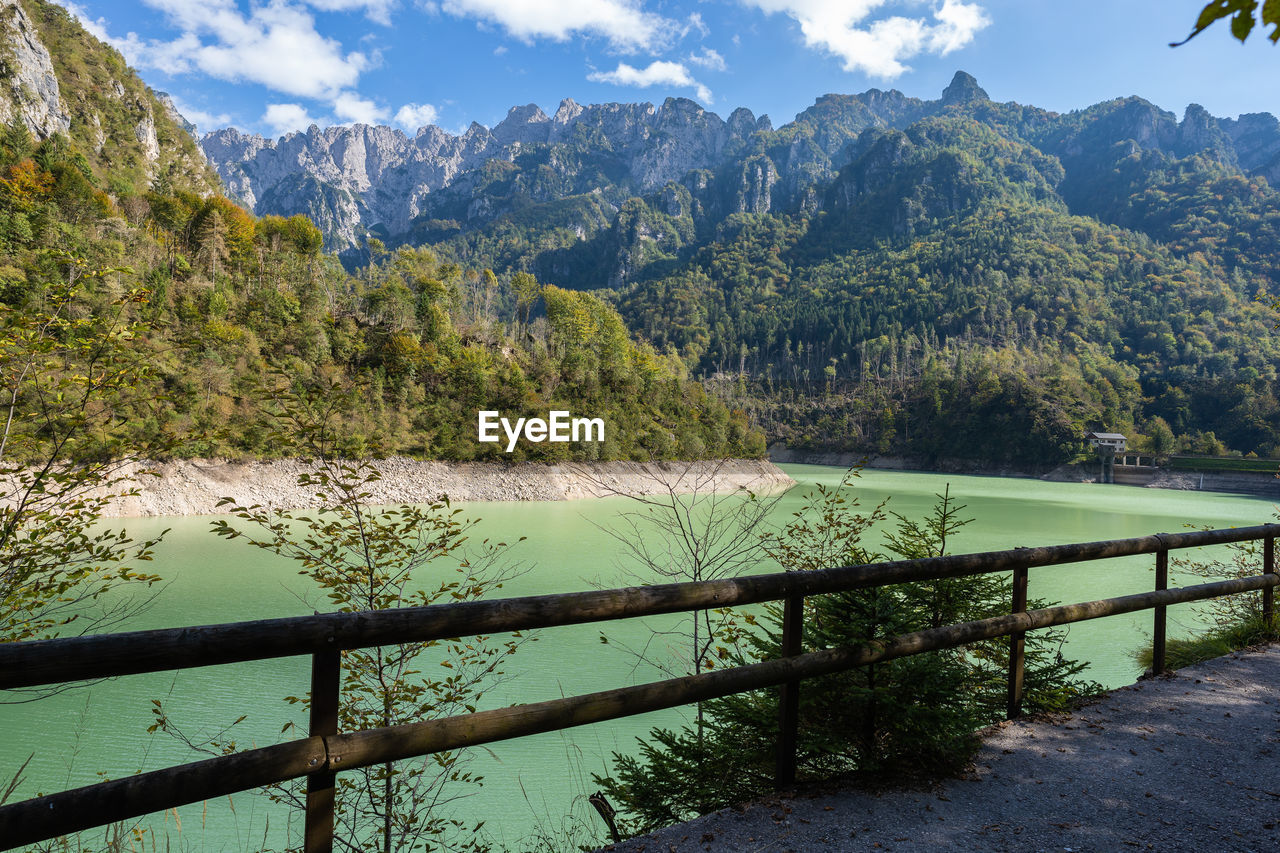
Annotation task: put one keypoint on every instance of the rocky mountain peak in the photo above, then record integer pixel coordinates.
(567, 112)
(963, 89)
(229, 142)
(355, 179)
(742, 122)
(1256, 138)
(171, 110)
(1136, 120)
(1200, 132)
(683, 108)
(524, 125)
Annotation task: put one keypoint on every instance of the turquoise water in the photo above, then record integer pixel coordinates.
(539, 784)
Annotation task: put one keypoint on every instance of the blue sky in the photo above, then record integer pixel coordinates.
(271, 66)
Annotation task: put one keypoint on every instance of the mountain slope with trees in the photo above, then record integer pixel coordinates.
(946, 279)
(949, 279)
(108, 210)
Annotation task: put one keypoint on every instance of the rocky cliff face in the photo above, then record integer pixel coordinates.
(58, 79)
(28, 83)
(359, 180)
(1256, 138)
(386, 177)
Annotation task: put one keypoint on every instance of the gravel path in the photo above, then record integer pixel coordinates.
(1187, 762)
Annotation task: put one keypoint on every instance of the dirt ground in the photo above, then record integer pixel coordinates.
(1183, 762)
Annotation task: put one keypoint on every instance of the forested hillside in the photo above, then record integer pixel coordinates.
(946, 279)
(112, 230)
(951, 279)
(961, 292)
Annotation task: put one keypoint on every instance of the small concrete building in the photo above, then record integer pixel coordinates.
(1113, 441)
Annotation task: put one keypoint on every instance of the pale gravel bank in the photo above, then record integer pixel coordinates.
(194, 487)
(1188, 762)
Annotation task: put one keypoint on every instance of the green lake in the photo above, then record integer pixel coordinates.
(539, 784)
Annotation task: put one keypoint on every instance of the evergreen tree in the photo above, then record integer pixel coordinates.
(913, 716)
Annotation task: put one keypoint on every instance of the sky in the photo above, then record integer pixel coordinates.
(277, 66)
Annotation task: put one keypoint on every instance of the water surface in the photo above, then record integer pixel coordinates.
(532, 784)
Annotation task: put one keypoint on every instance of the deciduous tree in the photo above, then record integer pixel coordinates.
(69, 382)
(363, 557)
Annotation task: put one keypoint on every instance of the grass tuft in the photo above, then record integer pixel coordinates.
(1211, 644)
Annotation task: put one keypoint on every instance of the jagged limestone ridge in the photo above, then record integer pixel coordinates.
(360, 178)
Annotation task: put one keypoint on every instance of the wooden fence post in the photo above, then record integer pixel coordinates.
(1269, 594)
(1159, 628)
(326, 678)
(1017, 644)
(789, 700)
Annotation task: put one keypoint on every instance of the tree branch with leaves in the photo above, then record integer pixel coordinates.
(360, 558)
(1243, 14)
(71, 381)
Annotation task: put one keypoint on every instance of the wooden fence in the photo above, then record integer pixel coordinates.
(326, 752)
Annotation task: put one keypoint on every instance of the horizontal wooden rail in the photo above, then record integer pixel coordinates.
(78, 658)
(376, 746)
(93, 805)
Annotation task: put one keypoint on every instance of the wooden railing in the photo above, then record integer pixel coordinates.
(326, 752)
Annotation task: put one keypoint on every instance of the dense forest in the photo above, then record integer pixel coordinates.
(1001, 336)
(223, 307)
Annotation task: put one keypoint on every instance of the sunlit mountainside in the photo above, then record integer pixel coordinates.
(108, 210)
(954, 278)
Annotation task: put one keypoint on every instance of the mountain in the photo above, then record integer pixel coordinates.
(576, 169)
(352, 180)
(945, 279)
(950, 279)
(58, 79)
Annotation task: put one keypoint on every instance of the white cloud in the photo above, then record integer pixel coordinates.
(284, 118)
(171, 57)
(709, 59)
(695, 22)
(413, 116)
(350, 108)
(276, 45)
(623, 23)
(655, 74)
(878, 47)
(378, 11)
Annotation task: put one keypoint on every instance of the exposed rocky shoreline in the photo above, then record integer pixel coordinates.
(194, 487)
